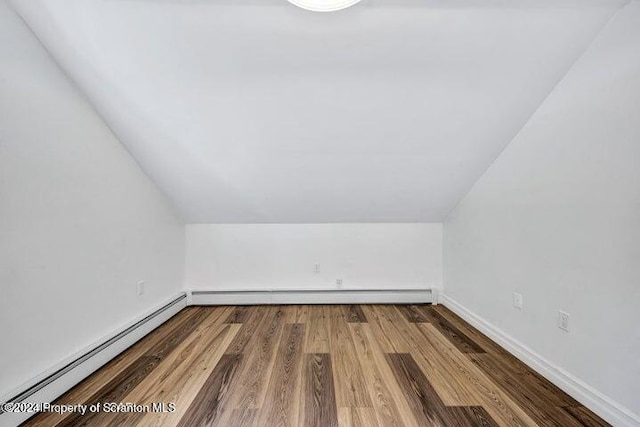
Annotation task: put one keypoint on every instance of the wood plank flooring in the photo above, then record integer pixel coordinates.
(319, 366)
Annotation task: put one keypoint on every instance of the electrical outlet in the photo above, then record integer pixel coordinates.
(141, 287)
(563, 320)
(517, 300)
(316, 268)
(339, 283)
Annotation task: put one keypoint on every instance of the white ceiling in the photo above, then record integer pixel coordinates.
(257, 111)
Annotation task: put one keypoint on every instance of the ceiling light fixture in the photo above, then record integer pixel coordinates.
(324, 5)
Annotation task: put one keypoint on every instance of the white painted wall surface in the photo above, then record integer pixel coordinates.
(557, 218)
(283, 256)
(80, 223)
(384, 113)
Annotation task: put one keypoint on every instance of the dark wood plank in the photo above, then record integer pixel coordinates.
(524, 393)
(513, 377)
(256, 367)
(319, 400)
(354, 314)
(282, 401)
(471, 332)
(210, 400)
(128, 379)
(348, 378)
(239, 315)
(424, 401)
(357, 417)
(386, 328)
(450, 331)
(586, 417)
(114, 391)
(504, 358)
(471, 416)
(87, 389)
(427, 406)
(413, 313)
(189, 364)
(163, 347)
(244, 417)
(384, 390)
(255, 319)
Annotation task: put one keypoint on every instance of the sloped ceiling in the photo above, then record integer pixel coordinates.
(257, 111)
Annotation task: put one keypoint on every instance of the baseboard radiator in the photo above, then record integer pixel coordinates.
(312, 296)
(51, 385)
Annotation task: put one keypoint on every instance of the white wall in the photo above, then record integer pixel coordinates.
(557, 218)
(80, 223)
(283, 256)
(239, 111)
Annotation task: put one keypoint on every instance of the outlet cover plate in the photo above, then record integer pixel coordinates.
(517, 300)
(563, 320)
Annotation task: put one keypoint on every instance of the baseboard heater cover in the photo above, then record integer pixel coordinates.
(64, 378)
(312, 296)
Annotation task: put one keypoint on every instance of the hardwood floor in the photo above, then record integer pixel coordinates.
(356, 365)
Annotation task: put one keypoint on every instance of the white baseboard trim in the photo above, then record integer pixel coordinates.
(602, 405)
(312, 296)
(66, 374)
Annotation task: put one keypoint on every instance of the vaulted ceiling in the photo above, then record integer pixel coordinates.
(257, 111)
